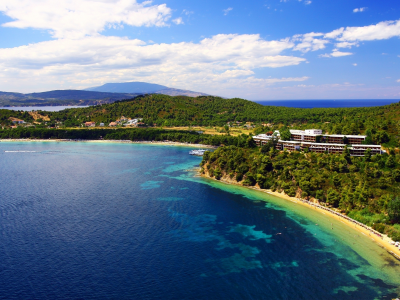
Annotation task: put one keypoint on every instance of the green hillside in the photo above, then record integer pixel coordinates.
(380, 123)
(214, 111)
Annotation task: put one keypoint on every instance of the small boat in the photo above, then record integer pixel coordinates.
(199, 152)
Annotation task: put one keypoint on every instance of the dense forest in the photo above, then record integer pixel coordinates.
(381, 123)
(365, 188)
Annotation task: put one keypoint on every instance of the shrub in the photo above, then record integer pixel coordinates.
(379, 227)
(239, 177)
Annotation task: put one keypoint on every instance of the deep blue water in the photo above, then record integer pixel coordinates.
(117, 221)
(329, 103)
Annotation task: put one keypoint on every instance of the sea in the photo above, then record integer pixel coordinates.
(87, 220)
(329, 103)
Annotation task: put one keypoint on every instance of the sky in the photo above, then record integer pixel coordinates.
(256, 50)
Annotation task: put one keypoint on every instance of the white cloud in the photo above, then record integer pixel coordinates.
(178, 21)
(91, 61)
(336, 53)
(380, 31)
(309, 42)
(355, 65)
(226, 11)
(398, 80)
(361, 9)
(334, 34)
(187, 12)
(307, 2)
(346, 44)
(79, 18)
(325, 55)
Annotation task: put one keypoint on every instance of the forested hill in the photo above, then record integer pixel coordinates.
(208, 110)
(162, 110)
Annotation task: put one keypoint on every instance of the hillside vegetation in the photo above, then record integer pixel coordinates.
(365, 188)
(381, 123)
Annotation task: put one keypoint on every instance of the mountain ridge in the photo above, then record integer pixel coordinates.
(107, 93)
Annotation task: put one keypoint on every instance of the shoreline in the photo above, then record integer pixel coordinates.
(380, 239)
(163, 143)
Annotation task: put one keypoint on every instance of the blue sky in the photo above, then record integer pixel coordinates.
(257, 50)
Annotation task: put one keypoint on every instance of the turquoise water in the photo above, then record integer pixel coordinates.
(129, 221)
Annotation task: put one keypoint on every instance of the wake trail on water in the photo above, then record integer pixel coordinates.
(19, 151)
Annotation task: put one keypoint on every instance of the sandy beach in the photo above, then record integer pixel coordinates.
(382, 240)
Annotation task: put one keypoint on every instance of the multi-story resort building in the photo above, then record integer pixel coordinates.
(315, 141)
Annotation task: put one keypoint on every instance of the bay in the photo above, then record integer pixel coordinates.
(131, 221)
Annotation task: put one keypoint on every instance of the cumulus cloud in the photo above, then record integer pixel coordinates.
(380, 31)
(334, 34)
(336, 53)
(361, 9)
(79, 18)
(309, 42)
(178, 21)
(94, 60)
(226, 11)
(307, 2)
(346, 44)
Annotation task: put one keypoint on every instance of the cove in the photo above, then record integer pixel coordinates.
(129, 221)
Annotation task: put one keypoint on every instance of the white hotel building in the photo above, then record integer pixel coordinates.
(315, 141)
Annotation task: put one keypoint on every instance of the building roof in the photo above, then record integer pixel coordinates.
(290, 142)
(368, 146)
(348, 136)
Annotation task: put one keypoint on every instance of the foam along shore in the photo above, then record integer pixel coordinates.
(165, 143)
(382, 240)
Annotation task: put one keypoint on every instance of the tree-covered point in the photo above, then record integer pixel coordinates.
(365, 188)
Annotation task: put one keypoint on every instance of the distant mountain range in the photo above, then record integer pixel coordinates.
(143, 88)
(107, 93)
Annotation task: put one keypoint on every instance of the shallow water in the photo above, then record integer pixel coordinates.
(129, 221)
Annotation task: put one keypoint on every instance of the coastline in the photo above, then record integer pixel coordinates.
(380, 239)
(164, 143)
